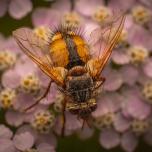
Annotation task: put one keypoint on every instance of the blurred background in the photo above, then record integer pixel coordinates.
(123, 120)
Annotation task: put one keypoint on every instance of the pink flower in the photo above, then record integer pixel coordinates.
(129, 141)
(139, 36)
(121, 123)
(14, 118)
(121, 5)
(51, 17)
(7, 145)
(124, 109)
(5, 132)
(134, 106)
(41, 141)
(109, 138)
(72, 124)
(113, 81)
(146, 2)
(120, 57)
(108, 103)
(19, 141)
(44, 147)
(129, 74)
(87, 7)
(46, 17)
(147, 68)
(16, 8)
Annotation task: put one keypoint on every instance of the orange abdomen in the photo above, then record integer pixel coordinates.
(68, 50)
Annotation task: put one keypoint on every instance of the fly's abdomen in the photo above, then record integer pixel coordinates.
(58, 51)
(82, 48)
(67, 49)
(78, 51)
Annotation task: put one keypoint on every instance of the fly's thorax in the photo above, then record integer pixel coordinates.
(79, 84)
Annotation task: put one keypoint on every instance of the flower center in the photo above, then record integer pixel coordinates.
(43, 121)
(104, 121)
(30, 84)
(139, 126)
(137, 54)
(6, 98)
(42, 32)
(101, 14)
(7, 59)
(147, 91)
(141, 15)
(71, 19)
(58, 102)
(108, 119)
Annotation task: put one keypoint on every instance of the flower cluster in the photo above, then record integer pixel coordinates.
(124, 106)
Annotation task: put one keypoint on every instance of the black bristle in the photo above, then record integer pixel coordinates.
(65, 29)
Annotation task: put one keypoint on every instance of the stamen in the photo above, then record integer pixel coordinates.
(141, 15)
(7, 59)
(147, 91)
(137, 54)
(43, 121)
(30, 84)
(7, 97)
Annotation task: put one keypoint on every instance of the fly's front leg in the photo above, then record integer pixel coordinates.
(42, 97)
(63, 116)
(99, 81)
(102, 79)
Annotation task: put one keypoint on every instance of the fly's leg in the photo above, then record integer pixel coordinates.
(42, 97)
(85, 121)
(63, 117)
(101, 80)
(85, 117)
(83, 124)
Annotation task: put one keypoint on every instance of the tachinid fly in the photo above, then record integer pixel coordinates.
(67, 58)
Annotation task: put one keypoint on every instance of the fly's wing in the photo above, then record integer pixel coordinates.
(104, 40)
(38, 50)
(97, 41)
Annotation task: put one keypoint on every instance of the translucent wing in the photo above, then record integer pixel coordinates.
(38, 50)
(104, 41)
